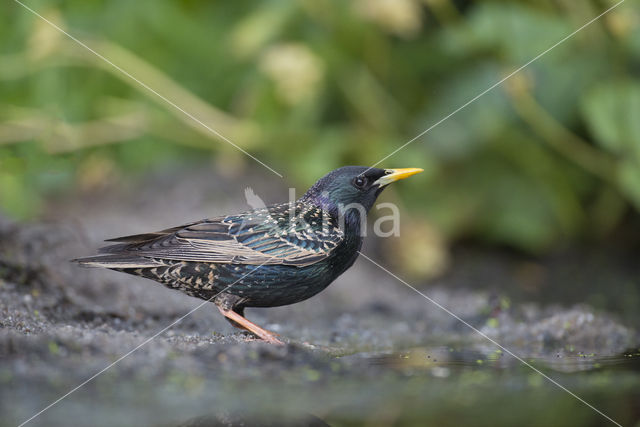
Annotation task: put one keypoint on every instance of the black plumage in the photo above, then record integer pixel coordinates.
(278, 255)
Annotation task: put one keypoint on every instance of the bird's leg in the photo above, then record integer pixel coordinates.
(244, 323)
(240, 311)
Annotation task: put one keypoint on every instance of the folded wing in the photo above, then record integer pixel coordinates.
(264, 236)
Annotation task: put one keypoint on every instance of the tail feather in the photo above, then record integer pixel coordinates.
(117, 261)
(137, 238)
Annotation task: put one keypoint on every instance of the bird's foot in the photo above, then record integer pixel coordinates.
(244, 323)
(271, 339)
(249, 336)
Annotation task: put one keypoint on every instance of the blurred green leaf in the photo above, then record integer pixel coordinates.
(611, 112)
(516, 31)
(629, 176)
(465, 132)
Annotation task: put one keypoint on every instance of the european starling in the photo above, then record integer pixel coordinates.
(278, 255)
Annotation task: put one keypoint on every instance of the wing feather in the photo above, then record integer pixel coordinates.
(265, 236)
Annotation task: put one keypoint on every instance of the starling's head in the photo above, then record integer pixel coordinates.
(354, 185)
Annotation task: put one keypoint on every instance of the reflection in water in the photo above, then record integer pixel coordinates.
(222, 418)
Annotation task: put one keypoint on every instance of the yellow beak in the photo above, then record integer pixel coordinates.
(396, 174)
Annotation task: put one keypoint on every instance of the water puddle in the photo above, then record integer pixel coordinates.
(444, 360)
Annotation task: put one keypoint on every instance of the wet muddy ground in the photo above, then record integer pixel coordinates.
(368, 350)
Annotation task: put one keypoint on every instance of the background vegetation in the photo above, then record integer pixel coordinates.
(551, 156)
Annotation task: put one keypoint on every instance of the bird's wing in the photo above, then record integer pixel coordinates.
(263, 236)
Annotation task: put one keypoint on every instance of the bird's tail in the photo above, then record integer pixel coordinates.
(117, 261)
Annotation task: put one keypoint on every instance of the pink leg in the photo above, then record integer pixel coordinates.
(244, 323)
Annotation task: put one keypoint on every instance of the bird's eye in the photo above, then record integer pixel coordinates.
(359, 181)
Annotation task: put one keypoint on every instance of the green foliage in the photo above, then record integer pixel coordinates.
(612, 112)
(550, 155)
